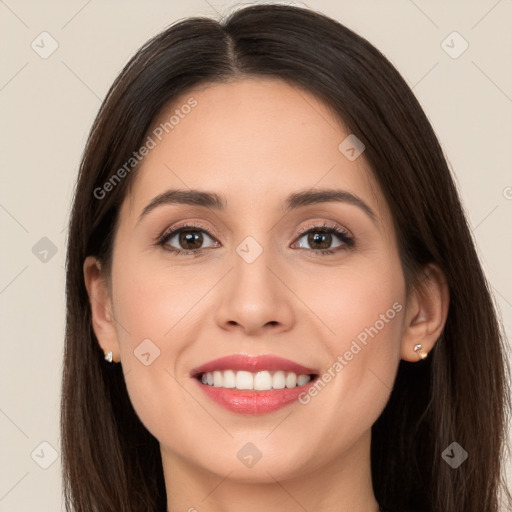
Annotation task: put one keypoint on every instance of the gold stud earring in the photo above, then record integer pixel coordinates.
(420, 352)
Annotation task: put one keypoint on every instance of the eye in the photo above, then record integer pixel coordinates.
(320, 238)
(189, 239)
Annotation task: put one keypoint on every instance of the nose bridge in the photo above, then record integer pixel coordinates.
(252, 263)
(254, 296)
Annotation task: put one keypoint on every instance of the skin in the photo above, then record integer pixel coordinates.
(255, 141)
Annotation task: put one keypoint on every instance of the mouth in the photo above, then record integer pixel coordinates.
(253, 385)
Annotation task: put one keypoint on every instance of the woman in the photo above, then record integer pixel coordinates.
(273, 298)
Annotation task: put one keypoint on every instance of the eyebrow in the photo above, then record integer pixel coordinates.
(293, 201)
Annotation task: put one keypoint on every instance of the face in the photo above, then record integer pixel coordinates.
(316, 283)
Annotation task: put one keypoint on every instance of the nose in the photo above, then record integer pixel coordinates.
(256, 299)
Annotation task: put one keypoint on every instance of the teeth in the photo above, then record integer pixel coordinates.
(291, 380)
(217, 379)
(229, 379)
(278, 380)
(262, 381)
(259, 381)
(301, 380)
(244, 380)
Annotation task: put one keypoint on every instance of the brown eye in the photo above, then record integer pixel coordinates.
(320, 239)
(186, 239)
(190, 239)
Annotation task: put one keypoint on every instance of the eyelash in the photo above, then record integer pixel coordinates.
(348, 241)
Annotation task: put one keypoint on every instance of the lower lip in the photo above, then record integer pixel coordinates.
(254, 402)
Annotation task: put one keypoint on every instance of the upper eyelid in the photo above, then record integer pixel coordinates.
(172, 231)
(326, 225)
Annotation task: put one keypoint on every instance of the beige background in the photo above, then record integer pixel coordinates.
(47, 107)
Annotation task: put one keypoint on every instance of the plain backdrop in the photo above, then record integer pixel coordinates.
(47, 108)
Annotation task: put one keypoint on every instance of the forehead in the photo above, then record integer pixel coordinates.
(253, 141)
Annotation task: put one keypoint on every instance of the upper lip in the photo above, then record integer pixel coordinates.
(252, 364)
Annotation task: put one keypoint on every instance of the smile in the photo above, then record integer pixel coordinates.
(253, 384)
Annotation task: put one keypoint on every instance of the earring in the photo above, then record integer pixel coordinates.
(420, 352)
(108, 357)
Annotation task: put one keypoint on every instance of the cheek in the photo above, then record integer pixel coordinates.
(150, 314)
(364, 310)
(150, 307)
(361, 304)
(152, 302)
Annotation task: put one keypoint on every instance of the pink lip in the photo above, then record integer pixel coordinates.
(252, 364)
(247, 401)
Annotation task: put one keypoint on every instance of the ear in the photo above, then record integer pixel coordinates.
(103, 322)
(426, 313)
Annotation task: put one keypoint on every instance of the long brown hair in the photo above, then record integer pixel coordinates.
(111, 463)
